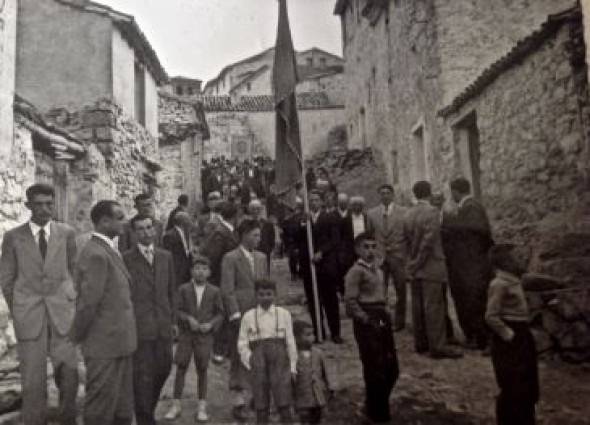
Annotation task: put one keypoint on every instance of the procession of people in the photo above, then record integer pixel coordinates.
(141, 297)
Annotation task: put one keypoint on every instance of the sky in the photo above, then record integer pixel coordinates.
(197, 38)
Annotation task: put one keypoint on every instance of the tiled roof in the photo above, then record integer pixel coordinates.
(250, 76)
(523, 48)
(264, 103)
(130, 31)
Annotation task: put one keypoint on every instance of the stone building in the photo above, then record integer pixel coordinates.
(253, 76)
(99, 81)
(183, 86)
(183, 131)
(488, 90)
(243, 127)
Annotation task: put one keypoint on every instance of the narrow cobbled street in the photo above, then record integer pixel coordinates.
(429, 392)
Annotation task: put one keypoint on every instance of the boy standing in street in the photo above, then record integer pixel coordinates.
(200, 314)
(373, 330)
(267, 349)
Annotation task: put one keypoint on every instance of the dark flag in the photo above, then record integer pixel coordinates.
(288, 164)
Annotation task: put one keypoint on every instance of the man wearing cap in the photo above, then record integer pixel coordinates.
(267, 230)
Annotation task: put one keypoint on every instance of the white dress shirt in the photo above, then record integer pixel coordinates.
(272, 323)
(358, 224)
(35, 229)
(314, 216)
(465, 199)
(110, 242)
(183, 239)
(226, 224)
(199, 289)
(147, 252)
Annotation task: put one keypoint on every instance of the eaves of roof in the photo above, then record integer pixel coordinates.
(523, 48)
(227, 68)
(130, 31)
(264, 103)
(252, 75)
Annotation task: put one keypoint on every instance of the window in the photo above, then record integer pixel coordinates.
(323, 63)
(139, 93)
(309, 61)
(248, 87)
(467, 151)
(179, 90)
(363, 128)
(190, 91)
(394, 167)
(419, 154)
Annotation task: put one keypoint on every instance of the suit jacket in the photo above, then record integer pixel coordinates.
(104, 323)
(33, 287)
(210, 311)
(128, 240)
(220, 241)
(170, 222)
(313, 379)
(326, 237)
(390, 241)
(152, 292)
(172, 242)
(237, 280)
(347, 252)
(425, 253)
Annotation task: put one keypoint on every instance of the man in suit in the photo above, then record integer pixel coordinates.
(222, 239)
(104, 324)
(38, 259)
(240, 268)
(386, 221)
(181, 207)
(428, 275)
(144, 204)
(153, 287)
(267, 230)
(178, 242)
(468, 239)
(211, 218)
(325, 237)
(354, 222)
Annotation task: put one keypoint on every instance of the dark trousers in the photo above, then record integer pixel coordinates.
(201, 350)
(152, 362)
(313, 415)
(328, 297)
(109, 391)
(293, 258)
(428, 315)
(270, 374)
(238, 375)
(221, 342)
(468, 286)
(516, 371)
(394, 268)
(380, 365)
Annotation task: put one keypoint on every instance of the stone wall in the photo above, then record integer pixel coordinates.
(530, 144)
(121, 162)
(332, 84)
(7, 74)
(183, 129)
(258, 129)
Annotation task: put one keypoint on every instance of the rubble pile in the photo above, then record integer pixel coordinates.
(356, 172)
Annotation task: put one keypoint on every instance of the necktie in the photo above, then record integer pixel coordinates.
(385, 219)
(149, 253)
(42, 243)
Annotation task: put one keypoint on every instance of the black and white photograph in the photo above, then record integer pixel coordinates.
(295, 212)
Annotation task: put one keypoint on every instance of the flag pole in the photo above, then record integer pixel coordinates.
(314, 279)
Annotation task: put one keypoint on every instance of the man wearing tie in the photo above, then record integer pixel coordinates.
(153, 288)
(239, 270)
(386, 221)
(36, 277)
(104, 324)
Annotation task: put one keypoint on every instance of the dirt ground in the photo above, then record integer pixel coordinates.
(429, 392)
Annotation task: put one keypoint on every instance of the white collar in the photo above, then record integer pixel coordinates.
(35, 228)
(226, 224)
(422, 202)
(357, 216)
(247, 253)
(110, 242)
(465, 199)
(271, 310)
(342, 212)
(144, 249)
(386, 208)
(365, 264)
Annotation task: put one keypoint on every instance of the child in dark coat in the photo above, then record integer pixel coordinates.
(200, 314)
(514, 356)
(314, 384)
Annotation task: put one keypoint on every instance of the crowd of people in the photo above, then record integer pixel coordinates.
(138, 286)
